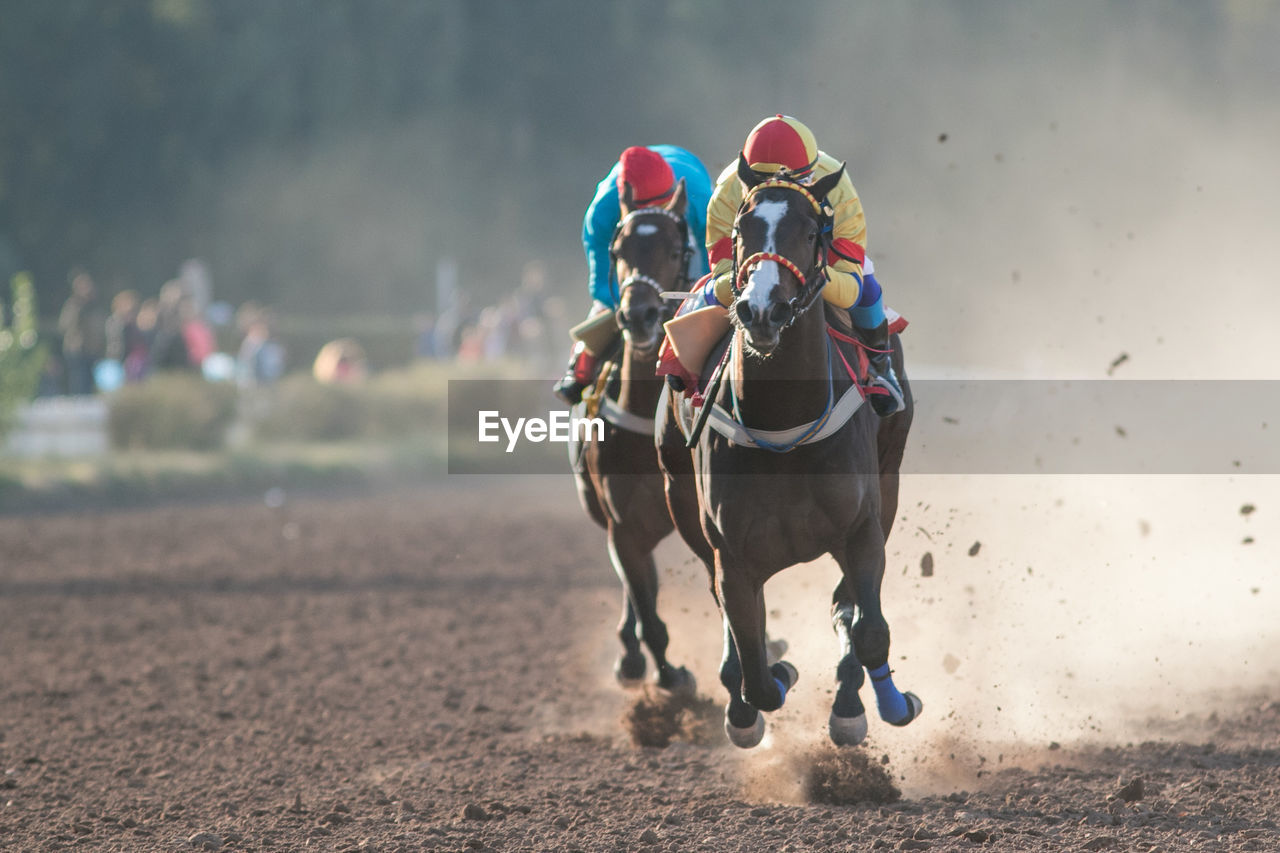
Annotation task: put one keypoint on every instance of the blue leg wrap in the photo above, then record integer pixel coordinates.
(782, 688)
(869, 316)
(891, 703)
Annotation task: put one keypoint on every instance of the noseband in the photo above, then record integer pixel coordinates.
(640, 278)
(811, 284)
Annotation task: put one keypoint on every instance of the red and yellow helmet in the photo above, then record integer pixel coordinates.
(781, 142)
(648, 173)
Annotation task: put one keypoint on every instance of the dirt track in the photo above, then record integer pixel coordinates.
(430, 670)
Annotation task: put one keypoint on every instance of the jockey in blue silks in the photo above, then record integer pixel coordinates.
(652, 172)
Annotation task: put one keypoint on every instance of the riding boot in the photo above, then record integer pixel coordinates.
(881, 370)
(579, 374)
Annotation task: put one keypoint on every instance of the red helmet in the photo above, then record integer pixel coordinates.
(650, 177)
(781, 142)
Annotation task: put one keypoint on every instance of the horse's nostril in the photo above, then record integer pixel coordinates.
(650, 316)
(779, 313)
(744, 313)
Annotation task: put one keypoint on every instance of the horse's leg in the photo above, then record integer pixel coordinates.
(888, 502)
(863, 567)
(764, 687)
(633, 560)
(742, 723)
(847, 724)
(630, 666)
(891, 442)
(676, 464)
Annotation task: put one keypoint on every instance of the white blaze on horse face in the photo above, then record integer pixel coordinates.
(766, 276)
(646, 228)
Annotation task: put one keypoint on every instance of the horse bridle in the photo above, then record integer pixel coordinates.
(686, 251)
(811, 284)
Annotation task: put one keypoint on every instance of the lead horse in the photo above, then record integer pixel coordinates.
(762, 494)
(618, 480)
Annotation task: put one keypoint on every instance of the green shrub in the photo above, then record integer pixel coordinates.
(22, 357)
(407, 402)
(171, 412)
(390, 404)
(299, 408)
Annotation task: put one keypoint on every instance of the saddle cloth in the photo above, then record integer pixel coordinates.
(699, 336)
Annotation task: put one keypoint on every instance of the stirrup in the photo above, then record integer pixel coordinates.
(569, 389)
(890, 403)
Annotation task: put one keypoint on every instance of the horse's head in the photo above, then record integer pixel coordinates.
(779, 252)
(649, 253)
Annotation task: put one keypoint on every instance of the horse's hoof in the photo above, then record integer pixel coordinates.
(847, 731)
(680, 683)
(630, 671)
(914, 707)
(784, 671)
(748, 737)
(775, 649)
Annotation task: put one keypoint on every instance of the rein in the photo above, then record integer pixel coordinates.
(806, 433)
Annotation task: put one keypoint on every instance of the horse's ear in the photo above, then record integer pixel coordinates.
(627, 198)
(679, 199)
(745, 173)
(822, 186)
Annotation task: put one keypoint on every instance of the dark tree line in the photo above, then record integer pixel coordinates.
(124, 124)
(322, 155)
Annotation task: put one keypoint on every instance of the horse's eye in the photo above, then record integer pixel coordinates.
(675, 254)
(813, 235)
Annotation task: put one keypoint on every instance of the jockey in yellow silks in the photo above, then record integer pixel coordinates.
(781, 142)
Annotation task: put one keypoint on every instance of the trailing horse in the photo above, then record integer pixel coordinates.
(785, 473)
(618, 479)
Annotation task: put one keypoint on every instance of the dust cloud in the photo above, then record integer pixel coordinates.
(1098, 610)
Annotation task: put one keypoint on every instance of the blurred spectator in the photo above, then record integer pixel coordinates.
(168, 347)
(341, 361)
(471, 346)
(51, 377)
(260, 360)
(220, 314)
(495, 327)
(450, 328)
(126, 342)
(197, 283)
(530, 336)
(148, 312)
(424, 326)
(197, 335)
(83, 326)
